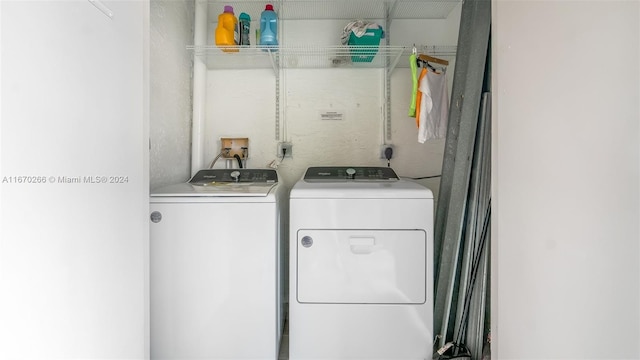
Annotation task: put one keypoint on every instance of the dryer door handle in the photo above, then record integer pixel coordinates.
(362, 245)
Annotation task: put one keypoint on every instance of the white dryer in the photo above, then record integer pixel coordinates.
(361, 269)
(216, 262)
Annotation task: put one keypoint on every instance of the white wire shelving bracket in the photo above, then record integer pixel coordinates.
(102, 7)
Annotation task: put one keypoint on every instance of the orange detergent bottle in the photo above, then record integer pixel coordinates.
(227, 33)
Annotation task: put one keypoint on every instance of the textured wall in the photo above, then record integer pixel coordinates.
(170, 98)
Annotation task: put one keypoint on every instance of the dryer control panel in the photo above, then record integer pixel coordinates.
(349, 173)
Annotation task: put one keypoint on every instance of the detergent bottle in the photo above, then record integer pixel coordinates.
(227, 33)
(269, 27)
(245, 28)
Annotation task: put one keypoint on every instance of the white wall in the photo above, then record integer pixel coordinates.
(73, 256)
(565, 250)
(242, 103)
(171, 84)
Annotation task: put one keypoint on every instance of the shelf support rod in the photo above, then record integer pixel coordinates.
(395, 61)
(279, 77)
(389, 10)
(391, 13)
(279, 98)
(274, 63)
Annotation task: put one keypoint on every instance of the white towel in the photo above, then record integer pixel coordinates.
(358, 27)
(434, 107)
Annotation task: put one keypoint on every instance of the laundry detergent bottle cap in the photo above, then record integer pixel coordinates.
(268, 27)
(227, 33)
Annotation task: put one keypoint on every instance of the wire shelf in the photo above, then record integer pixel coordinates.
(298, 57)
(236, 57)
(314, 57)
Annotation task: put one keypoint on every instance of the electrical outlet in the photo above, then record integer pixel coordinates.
(285, 146)
(383, 148)
(236, 146)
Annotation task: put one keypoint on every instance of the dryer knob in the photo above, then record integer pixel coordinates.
(307, 241)
(156, 216)
(235, 175)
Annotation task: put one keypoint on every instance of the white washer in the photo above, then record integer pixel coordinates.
(361, 270)
(217, 266)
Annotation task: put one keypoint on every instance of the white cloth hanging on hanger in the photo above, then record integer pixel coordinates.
(434, 107)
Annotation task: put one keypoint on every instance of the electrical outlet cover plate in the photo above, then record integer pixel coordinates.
(236, 145)
(285, 145)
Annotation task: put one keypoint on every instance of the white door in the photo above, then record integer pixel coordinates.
(73, 180)
(213, 280)
(361, 266)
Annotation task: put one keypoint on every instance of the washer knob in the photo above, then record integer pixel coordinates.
(351, 173)
(235, 175)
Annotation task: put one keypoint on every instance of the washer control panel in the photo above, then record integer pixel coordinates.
(208, 176)
(349, 173)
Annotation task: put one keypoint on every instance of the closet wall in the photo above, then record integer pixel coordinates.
(171, 29)
(566, 160)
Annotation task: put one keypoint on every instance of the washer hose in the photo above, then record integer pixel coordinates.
(216, 159)
(239, 160)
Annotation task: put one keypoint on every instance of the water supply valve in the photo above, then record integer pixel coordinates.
(235, 146)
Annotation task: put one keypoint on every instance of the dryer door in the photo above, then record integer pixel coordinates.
(362, 266)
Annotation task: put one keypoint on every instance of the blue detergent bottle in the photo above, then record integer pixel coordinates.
(269, 27)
